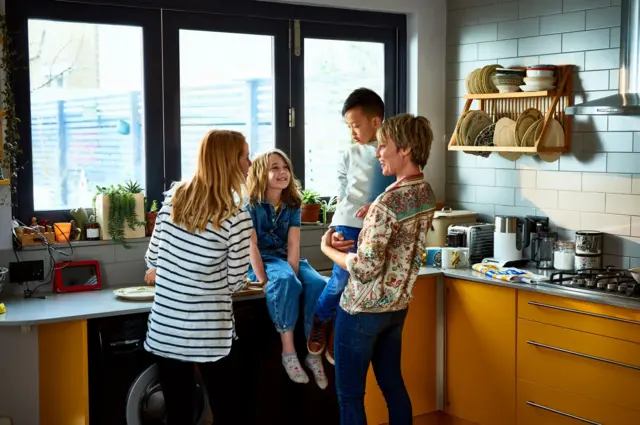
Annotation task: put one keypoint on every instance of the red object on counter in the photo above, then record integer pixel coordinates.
(76, 276)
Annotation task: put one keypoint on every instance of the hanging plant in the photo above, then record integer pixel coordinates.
(122, 209)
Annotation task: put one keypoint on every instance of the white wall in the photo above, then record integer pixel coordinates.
(426, 38)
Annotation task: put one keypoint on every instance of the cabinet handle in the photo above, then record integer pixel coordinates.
(586, 313)
(586, 356)
(558, 412)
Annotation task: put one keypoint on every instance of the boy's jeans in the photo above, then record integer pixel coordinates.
(330, 297)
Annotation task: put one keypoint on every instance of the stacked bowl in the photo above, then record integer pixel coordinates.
(539, 78)
(508, 80)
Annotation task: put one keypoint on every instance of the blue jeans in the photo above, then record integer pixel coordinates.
(374, 338)
(284, 290)
(330, 297)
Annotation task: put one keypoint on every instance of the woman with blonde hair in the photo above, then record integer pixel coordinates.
(197, 258)
(274, 204)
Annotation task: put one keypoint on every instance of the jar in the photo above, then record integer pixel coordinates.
(93, 231)
(588, 242)
(588, 262)
(564, 255)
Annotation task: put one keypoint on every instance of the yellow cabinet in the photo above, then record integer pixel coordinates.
(480, 352)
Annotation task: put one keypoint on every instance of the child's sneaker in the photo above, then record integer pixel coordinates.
(294, 369)
(314, 363)
(329, 352)
(318, 337)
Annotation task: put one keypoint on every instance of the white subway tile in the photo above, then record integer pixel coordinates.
(581, 201)
(485, 211)
(614, 38)
(606, 182)
(494, 195)
(593, 95)
(602, 59)
(498, 49)
(585, 40)
(571, 5)
(514, 211)
(462, 17)
(516, 178)
(498, 13)
(592, 80)
(462, 53)
(532, 162)
(556, 24)
(624, 123)
(520, 28)
(613, 2)
(576, 58)
(464, 193)
(530, 9)
(587, 123)
(623, 163)
(623, 204)
(536, 198)
(614, 79)
(635, 184)
(559, 180)
(615, 261)
(463, 4)
(603, 18)
(472, 176)
(636, 142)
(460, 70)
(472, 34)
(460, 159)
(520, 61)
(495, 161)
(635, 226)
(456, 88)
(563, 219)
(607, 223)
(542, 45)
(603, 142)
(584, 161)
(634, 262)
(625, 246)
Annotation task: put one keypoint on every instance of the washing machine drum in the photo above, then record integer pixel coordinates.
(145, 401)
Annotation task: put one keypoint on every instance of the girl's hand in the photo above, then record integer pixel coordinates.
(150, 276)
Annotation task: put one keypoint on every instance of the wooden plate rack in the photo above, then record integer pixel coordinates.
(551, 103)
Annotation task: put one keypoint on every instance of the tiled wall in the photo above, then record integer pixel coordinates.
(597, 185)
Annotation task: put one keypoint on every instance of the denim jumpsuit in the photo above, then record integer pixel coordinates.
(284, 288)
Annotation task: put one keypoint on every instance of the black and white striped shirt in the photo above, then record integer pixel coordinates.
(192, 317)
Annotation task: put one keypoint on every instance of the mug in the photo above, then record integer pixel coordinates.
(455, 258)
(434, 257)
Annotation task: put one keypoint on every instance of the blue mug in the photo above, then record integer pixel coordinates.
(434, 257)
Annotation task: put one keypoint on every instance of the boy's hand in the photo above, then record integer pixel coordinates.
(150, 276)
(362, 211)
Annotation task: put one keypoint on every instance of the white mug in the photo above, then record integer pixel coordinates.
(455, 258)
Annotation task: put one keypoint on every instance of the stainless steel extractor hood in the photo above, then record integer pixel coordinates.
(627, 101)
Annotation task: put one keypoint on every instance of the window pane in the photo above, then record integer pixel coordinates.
(332, 70)
(226, 82)
(87, 111)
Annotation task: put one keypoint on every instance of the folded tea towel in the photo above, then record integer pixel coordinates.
(507, 274)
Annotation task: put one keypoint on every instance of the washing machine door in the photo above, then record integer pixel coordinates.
(145, 401)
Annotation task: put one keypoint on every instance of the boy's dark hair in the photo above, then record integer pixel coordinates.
(366, 99)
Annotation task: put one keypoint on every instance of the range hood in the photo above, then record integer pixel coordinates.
(627, 101)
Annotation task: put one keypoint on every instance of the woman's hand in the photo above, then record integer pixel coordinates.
(150, 276)
(362, 211)
(333, 239)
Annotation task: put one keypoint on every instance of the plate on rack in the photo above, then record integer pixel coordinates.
(529, 88)
(136, 293)
(554, 137)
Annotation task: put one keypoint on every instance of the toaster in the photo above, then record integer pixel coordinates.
(478, 237)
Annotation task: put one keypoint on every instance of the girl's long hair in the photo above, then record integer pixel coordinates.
(259, 176)
(214, 192)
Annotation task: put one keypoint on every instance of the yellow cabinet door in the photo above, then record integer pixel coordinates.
(480, 352)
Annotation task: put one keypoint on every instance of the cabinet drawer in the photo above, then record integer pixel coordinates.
(615, 322)
(539, 405)
(602, 368)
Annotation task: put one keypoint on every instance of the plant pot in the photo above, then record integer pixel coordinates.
(151, 221)
(310, 213)
(102, 217)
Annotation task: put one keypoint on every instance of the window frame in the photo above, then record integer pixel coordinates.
(161, 81)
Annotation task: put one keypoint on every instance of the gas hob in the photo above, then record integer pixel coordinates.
(604, 281)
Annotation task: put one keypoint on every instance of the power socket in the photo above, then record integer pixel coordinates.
(26, 271)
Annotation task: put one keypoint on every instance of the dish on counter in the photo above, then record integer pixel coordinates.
(136, 293)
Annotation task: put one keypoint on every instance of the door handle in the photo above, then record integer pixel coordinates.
(586, 313)
(586, 356)
(558, 412)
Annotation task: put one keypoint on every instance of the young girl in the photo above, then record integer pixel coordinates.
(274, 205)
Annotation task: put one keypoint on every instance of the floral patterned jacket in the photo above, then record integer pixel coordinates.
(390, 247)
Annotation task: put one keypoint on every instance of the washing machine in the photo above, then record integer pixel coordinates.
(123, 380)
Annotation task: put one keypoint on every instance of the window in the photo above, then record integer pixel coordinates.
(111, 93)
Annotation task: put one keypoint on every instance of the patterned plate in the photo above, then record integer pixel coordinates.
(136, 293)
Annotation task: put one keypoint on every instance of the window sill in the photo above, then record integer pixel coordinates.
(82, 244)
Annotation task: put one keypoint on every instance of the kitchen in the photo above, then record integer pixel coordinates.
(595, 187)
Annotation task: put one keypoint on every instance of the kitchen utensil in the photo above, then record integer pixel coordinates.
(434, 257)
(588, 242)
(537, 87)
(136, 293)
(478, 237)
(510, 237)
(3, 277)
(554, 137)
(526, 120)
(543, 249)
(455, 258)
(635, 273)
(564, 255)
(443, 219)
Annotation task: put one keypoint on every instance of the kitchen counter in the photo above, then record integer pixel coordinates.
(92, 304)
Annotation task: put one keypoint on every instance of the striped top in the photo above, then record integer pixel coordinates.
(192, 317)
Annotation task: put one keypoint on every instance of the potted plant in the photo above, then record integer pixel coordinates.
(328, 209)
(310, 206)
(152, 214)
(117, 209)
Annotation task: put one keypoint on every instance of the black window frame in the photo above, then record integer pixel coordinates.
(161, 74)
